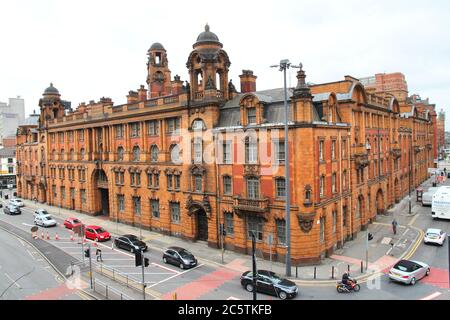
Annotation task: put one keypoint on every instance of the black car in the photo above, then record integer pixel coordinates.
(130, 242)
(179, 257)
(270, 283)
(12, 210)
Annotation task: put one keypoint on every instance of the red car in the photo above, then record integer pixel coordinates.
(70, 223)
(96, 233)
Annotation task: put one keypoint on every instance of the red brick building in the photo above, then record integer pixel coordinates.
(184, 158)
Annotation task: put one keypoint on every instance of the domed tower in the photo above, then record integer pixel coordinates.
(208, 66)
(159, 78)
(51, 106)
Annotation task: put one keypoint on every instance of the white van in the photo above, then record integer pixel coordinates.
(440, 207)
(427, 197)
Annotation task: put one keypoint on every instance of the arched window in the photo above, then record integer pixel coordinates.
(136, 153)
(198, 124)
(120, 154)
(198, 150)
(82, 153)
(154, 153)
(175, 153)
(71, 155)
(61, 155)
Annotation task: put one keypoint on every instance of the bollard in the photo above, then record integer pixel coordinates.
(362, 267)
(175, 296)
(348, 268)
(296, 271)
(332, 272)
(106, 292)
(315, 273)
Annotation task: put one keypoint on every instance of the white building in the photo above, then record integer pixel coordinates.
(7, 167)
(11, 115)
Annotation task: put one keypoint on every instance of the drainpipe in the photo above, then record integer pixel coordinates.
(215, 141)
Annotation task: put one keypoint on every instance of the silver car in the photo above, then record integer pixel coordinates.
(44, 221)
(408, 272)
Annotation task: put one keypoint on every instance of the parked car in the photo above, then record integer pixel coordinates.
(12, 210)
(96, 233)
(427, 197)
(179, 257)
(130, 243)
(70, 223)
(408, 272)
(17, 202)
(270, 283)
(40, 212)
(435, 236)
(44, 221)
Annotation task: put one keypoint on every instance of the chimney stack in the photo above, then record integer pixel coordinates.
(142, 93)
(248, 81)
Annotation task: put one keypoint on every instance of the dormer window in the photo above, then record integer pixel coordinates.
(251, 116)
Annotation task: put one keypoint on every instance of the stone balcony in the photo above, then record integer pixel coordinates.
(251, 205)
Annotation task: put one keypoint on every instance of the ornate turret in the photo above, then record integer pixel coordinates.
(51, 106)
(208, 67)
(159, 77)
(302, 90)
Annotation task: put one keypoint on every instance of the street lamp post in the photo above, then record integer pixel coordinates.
(284, 65)
(368, 148)
(410, 174)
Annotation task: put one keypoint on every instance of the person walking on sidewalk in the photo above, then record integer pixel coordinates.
(98, 253)
(394, 226)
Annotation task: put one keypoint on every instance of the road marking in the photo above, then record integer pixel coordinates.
(176, 275)
(233, 298)
(31, 255)
(12, 280)
(432, 296)
(413, 220)
(28, 225)
(164, 267)
(148, 273)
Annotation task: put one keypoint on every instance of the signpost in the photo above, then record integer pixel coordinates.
(270, 242)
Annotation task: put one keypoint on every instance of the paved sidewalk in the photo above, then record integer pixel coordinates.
(381, 252)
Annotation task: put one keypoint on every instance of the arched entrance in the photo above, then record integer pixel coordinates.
(380, 202)
(101, 193)
(202, 225)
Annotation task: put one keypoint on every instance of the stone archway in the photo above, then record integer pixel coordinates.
(379, 202)
(100, 191)
(201, 218)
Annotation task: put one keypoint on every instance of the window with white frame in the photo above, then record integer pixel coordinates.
(198, 150)
(281, 231)
(154, 153)
(251, 116)
(252, 188)
(154, 205)
(280, 154)
(175, 212)
(227, 185)
(280, 186)
(321, 150)
(226, 146)
(251, 151)
(322, 186)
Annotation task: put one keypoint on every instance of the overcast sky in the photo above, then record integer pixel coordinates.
(91, 49)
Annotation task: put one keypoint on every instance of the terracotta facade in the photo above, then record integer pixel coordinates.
(185, 158)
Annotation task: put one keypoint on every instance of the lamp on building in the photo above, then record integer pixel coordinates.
(283, 66)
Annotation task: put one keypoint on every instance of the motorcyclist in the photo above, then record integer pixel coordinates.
(346, 280)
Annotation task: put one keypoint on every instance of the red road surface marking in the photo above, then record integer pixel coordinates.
(203, 285)
(52, 294)
(437, 277)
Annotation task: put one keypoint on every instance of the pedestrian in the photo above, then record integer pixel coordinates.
(394, 226)
(98, 253)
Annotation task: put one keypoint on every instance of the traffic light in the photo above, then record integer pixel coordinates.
(146, 262)
(370, 236)
(138, 258)
(87, 253)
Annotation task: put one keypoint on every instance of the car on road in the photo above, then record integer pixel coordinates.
(96, 233)
(44, 221)
(409, 272)
(17, 202)
(130, 243)
(40, 212)
(71, 223)
(12, 210)
(435, 236)
(270, 283)
(179, 257)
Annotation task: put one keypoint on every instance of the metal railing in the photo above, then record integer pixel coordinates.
(109, 292)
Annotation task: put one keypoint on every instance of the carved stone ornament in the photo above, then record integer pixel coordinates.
(252, 170)
(306, 221)
(362, 160)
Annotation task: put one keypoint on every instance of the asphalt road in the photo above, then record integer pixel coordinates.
(211, 282)
(37, 280)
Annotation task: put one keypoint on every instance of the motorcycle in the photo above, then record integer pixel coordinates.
(342, 288)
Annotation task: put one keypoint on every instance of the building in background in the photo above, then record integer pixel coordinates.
(12, 114)
(7, 168)
(392, 83)
(441, 131)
